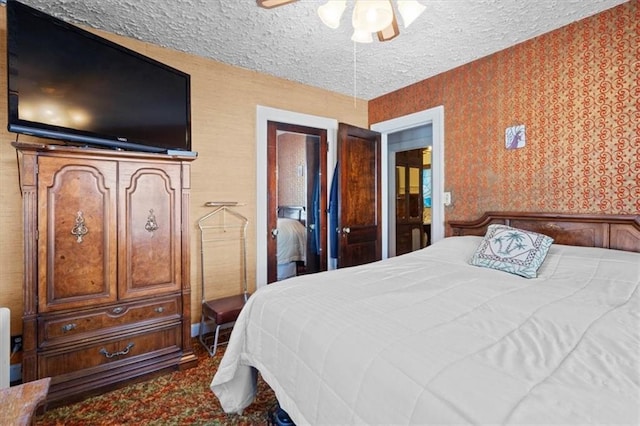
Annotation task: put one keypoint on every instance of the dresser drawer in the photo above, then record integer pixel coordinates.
(65, 328)
(110, 353)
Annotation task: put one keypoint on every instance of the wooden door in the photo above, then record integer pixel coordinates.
(77, 243)
(150, 223)
(319, 170)
(359, 196)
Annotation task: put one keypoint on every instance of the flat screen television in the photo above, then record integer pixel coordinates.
(68, 84)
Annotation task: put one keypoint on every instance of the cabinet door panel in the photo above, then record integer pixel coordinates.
(150, 220)
(76, 233)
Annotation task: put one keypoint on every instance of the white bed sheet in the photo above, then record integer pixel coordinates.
(426, 338)
(292, 241)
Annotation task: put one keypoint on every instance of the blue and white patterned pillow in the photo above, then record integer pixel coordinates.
(512, 250)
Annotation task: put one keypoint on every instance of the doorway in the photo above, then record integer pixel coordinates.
(433, 116)
(296, 163)
(263, 116)
(431, 120)
(413, 199)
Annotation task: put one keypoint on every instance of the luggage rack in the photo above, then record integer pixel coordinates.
(221, 224)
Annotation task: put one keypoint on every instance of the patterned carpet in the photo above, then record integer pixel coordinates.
(177, 398)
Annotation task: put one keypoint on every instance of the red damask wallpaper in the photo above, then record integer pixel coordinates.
(577, 91)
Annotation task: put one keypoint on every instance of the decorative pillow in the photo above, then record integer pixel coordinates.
(512, 250)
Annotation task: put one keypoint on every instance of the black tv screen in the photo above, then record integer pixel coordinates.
(68, 84)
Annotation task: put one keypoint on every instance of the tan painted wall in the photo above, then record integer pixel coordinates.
(223, 106)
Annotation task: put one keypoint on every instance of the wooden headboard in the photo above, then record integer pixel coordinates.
(293, 212)
(620, 232)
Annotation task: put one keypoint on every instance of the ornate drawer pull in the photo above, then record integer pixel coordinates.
(80, 230)
(125, 351)
(159, 309)
(151, 224)
(118, 310)
(552, 227)
(68, 327)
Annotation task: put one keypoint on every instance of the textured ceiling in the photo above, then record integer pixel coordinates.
(291, 42)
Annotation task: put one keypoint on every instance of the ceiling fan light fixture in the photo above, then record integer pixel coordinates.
(389, 33)
(331, 12)
(369, 16)
(269, 4)
(410, 10)
(372, 15)
(361, 36)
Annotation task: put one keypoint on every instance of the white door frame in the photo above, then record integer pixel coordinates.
(263, 115)
(435, 117)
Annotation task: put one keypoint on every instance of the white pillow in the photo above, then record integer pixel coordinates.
(512, 250)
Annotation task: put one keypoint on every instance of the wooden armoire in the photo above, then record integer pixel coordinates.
(106, 267)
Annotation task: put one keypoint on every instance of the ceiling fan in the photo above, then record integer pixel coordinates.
(369, 16)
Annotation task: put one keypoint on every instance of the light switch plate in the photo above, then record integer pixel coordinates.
(447, 198)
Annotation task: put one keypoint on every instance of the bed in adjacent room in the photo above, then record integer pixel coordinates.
(543, 327)
(291, 240)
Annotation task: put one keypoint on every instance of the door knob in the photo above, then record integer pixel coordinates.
(346, 230)
(274, 233)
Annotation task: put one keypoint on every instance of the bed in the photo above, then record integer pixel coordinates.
(292, 240)
(428, 338)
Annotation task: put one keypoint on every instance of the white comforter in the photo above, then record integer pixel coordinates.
(426, 338)
(292, 241)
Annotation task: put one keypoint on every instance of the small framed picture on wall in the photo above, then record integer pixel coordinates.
(514, 137)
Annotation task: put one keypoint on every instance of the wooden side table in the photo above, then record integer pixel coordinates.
(20, 402)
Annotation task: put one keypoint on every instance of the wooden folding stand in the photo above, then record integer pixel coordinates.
(222, 224)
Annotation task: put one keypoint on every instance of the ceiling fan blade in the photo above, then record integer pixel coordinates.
(390, 32)
(269, 4)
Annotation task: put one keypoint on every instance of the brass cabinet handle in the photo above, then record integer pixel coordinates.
(80, 229)
(151, 224)
(125, 351)
(68, 327)
(552, 227)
